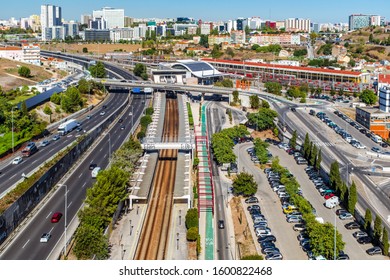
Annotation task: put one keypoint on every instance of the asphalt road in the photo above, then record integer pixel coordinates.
(26, 245)
(11, 174)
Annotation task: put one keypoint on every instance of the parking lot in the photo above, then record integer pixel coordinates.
(355, 250)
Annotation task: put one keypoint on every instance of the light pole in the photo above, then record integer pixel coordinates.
(12, 132)
(334, 241)
(65, 211)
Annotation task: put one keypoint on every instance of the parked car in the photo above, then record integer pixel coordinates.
(253, 207)
(343, 257)
(346, 216)
(268, 238)
(268, 250)
(376, 150)
(352, 225)
(299, 227)
(221, 224)
(374, 250)
(274, 256)
(341, 211)
(359, 234)
(294, 220)
(364, 240)
(252, 199)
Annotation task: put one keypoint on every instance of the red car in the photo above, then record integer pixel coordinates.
(329, 195)
(56, 217)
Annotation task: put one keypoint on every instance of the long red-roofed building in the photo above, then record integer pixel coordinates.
(325, 79)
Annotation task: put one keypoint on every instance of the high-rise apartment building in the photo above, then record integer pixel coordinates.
(51, 19)
(115, 17)
(297, 24)
(359, 21)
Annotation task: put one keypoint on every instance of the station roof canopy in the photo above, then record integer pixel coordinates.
(199, 69)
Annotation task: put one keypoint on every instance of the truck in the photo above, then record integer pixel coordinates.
(332, 202)
(30, 149)
(148, 90)
(136, 90)
(67, 126)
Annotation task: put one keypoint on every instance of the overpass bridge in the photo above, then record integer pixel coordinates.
(192, 88)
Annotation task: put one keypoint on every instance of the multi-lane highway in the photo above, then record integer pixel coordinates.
(11, 174)
(27, 244)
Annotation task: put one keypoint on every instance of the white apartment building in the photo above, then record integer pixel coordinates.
(297, 25)
(28, 53)
(50, 18)
(205, 28)
(115, 17)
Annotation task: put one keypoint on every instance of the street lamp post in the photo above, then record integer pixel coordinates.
(65, 212)
(12, 132)
(334, 241)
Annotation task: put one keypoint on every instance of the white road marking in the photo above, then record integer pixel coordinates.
(12, 176)
(34, 161)
(25, 244)
(83, 186)
(69, 204)
(51, 230)
(48, 215)
(81, 175)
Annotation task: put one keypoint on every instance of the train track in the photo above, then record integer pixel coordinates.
(153, 243)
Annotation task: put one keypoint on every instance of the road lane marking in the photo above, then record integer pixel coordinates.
(83, 186)
(81, 175)
(69, 204)
(51, 230)
(34, 161)
(12, 176)
(48, 215)
(25, 244)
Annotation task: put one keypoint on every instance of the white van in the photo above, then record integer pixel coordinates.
(332, 202)
(376, 139)
(95, 171)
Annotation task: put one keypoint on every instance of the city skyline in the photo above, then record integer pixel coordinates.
(331, 11)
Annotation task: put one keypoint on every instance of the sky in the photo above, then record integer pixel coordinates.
(327, 11)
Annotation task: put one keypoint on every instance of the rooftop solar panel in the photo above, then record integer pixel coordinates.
(40, 98)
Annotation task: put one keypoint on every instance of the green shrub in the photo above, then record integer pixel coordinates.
(192, 234)
(192, 219)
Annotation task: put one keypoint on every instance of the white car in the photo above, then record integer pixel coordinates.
(17, 160)
(102, 113)
(45, 238)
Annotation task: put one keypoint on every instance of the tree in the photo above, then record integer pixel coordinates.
(230, 52)
(236, 99)
(254, 101)
(306, 146)
(293, 140)
(334, 176)
(352, 198)
(216, 52)
(385, 242)
(84, 86)
(313, 155)
(24, 72)
(98, 70)
(71, 100)
(191, 219)
(139, 69)
(56, 98)
(261, 150)
(369, 97)
(192, 234)
(377, 228)
(247, 30)
(244, 184)
(310, 151)
(252, 257)
(85, 50)
(263, 119)
(24, 109)
(273, 87)
(90, 243)
(48, 111)
(317, 164)
(367, 220)
(322, 239)
(265, 104)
